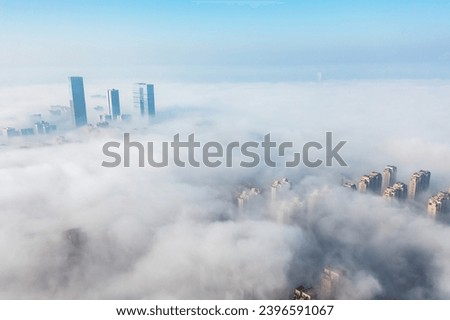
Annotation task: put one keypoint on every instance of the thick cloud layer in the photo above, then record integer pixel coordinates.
(70, 228)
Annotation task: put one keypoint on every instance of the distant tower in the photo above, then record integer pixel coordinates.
(113, 103)
(370, 182)
(420, 181)
(78, 102)
(389, 177)
(144, 99)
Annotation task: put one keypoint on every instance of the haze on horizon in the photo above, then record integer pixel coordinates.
(203, 41)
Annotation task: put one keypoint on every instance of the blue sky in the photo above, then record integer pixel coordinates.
(232, 40)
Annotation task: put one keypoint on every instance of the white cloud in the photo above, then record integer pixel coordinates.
(176, 233)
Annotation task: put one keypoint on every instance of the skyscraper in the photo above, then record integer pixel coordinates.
(389, 177)
(420, 181)
(144, 99)
(78, 102)
(113, 103)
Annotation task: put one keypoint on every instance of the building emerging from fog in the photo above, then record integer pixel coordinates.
(349, 185)
(439, 203)
(144, 99)
(78, 101)
(277, 185)
(10, 132)
(113, 103)
(43, 127)
(370, 182)
(389, 177)
(302, 293)
(245, 196)
(329, 283)
(328, 288)
(76, 240)
(398, 191)
(420, 181)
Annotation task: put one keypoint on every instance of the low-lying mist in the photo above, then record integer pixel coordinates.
(72, 229)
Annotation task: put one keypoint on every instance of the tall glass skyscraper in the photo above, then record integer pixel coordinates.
(113, 103)
(144, 99)
(78, 102)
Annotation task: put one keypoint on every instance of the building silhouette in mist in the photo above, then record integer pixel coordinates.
(398, 191)
(420, 181)
(370, 182)
(144, 99)
(389, 177)
(113, 103)
(43, 127)
(439, 203)
(327, 288)
(330, 282)
(78, 101)
(349, 185)
(245, 196)
(10, 132)
(277, 185)
(27, 132)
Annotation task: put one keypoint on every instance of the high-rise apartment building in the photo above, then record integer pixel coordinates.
(113, 103)
(439, 203)
(398, 191)
(370, 182)
(144, 99)
(420, 181)
(78, 101)
(389, 177)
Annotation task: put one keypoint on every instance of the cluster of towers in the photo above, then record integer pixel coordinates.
(143, 100)
(386, 184)
(143, 96)
(275, 188)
